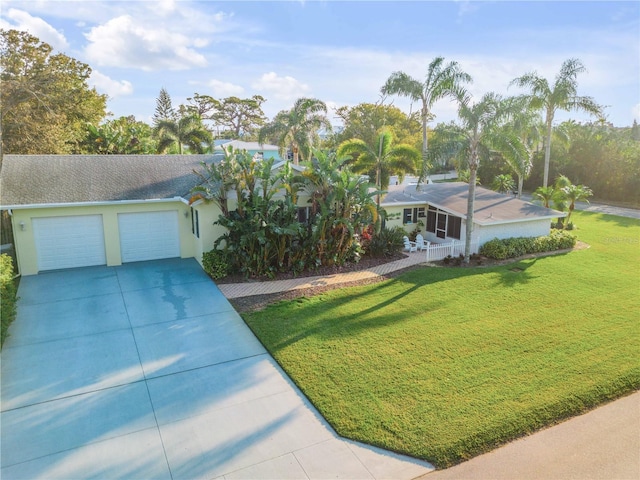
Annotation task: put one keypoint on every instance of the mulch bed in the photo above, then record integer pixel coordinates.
(364, 264)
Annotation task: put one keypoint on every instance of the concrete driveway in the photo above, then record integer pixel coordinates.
(146, 371)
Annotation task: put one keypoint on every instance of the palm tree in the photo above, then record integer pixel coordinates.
(561, 96)
(442, 81)
(475, 137)
(186, 130)
(573, 194)
(544, 195)
(503, 183)
(297, 127)
(382, 158)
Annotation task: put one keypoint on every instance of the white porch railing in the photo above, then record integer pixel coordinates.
(439, 251)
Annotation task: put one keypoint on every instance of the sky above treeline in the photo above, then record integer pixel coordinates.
(340, 52)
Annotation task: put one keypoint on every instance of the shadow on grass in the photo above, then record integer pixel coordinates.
(516, 273)
(335, 314)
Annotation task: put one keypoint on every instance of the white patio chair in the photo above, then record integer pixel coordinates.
(409, 246)
(421, 243)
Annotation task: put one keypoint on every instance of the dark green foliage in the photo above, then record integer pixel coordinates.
(386, 243)
(518, 246)
(605, 158)
(121, 136)
(187, 129)
(216, 263)
(164, 108)
(7, 295)
(264, 235)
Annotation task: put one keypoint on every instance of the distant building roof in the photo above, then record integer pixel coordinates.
(51, 179)
(489, 208)
(240, 145)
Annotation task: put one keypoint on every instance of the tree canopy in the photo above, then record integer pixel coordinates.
(124, 136)
(164, 108)
(365, 120)
(46, 101)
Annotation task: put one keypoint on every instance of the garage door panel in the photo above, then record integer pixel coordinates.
(149, 235)
(69, 242)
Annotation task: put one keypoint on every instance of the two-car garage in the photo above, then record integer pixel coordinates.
(80, 241)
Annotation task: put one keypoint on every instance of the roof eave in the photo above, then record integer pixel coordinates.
(92, 204)
(520, 220)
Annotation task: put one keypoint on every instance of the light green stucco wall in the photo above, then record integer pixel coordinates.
(394, 218)
(25, 241)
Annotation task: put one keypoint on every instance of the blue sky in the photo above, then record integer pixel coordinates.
(340, 52)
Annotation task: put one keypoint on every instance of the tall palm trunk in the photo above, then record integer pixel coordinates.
(425, 119)
(520, 182)
(547, 148)
(471, 200)
(425, 140)
(295, 155)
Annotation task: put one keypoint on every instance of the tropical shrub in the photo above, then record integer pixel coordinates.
(386, 243)
(263, 234)
(515, 247)
(7, 295)
(216, 263)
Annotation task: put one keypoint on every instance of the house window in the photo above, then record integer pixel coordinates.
(407, 215)
(195, 223)
(303, 215)
(453, 227)
(443, 224)
(431, 220)
(413, 215)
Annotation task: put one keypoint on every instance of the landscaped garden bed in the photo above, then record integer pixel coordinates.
(447, 363)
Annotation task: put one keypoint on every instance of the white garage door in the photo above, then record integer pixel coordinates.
(149, 235)
(68, 242)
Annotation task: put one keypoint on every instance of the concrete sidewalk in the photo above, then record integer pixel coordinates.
(236, 290)
(602, 444)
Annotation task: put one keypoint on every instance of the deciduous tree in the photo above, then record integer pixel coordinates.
(46, 101)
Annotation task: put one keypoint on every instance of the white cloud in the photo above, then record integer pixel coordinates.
(466, 7)
(635, 111)
(123, 42)
(113, 88)
(224, 89)
(36, 27)
(281, 88)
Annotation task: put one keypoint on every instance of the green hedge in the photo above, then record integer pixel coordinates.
(216, 263)
(515, 247)
(7, 295)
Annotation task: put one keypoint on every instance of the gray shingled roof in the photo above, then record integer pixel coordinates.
(46, 179)
(490, 207)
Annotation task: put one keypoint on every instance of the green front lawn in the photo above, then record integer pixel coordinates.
(446, 363)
